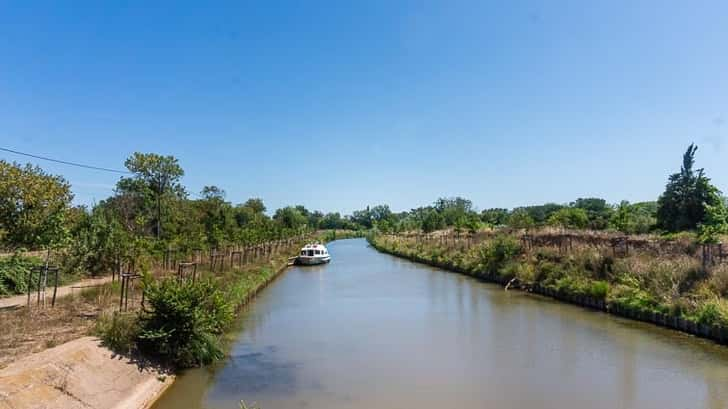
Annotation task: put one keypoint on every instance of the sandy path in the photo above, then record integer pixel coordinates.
(22, 300)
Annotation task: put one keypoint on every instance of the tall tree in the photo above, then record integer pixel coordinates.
(687, 195)
(159, 175)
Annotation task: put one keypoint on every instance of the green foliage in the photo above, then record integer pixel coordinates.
(433, 221)
(637, 218)
(711, 312)
(494, 255)
(715, 223)
(495, 217)
(290, 218)
(156, 177)
(687, 195)
(569, 217)
(118, 331)
(183, 321)
(598, 211)
(539, 214)
(520, 219)
(599, 289)
(33, 207)
(14, 273)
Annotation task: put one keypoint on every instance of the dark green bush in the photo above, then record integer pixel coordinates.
(183, 321)
(14, 273)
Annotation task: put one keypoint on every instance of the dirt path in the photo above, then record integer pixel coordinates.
(22, 300)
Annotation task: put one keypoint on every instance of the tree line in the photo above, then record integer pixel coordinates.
(150, 209)
(689, 203)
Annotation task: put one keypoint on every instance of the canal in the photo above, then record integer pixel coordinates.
(370, 331)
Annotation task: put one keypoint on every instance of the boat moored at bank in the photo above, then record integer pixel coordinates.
(312, 254)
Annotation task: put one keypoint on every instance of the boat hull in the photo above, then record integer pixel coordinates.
(311, 261)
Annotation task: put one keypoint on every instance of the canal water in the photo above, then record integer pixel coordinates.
(370, 331)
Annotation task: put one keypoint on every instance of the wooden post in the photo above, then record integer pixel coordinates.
(30, 284)
(121, 296)
(55, 288)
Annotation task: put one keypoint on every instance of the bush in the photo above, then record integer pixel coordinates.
(495, 254)
(14, 273)
(184, 321)
(599, 289)
(118, 331)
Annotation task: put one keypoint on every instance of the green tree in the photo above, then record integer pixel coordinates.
(494, 217)
(598, 211)
(33, 206)
(715, 223)
(520, 219)
(155, 175)
(687, 196)
(541, 213)
(432, 221)
(570, 217)
(637, 218)
(290, 218)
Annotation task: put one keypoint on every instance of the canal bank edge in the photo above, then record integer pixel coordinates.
(715, 333)
(84, 374)
(81, 374)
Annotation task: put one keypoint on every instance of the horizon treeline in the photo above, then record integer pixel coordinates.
(151, 209)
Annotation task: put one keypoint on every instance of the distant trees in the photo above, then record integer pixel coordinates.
(290, 218)
(495, 216)
(432, 221)
(520, 219)
(636, 218)
(687, 196)
(569, 217)
(598, 211)
(33, 206)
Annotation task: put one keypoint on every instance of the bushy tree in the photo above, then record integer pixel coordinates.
(33, 206)
(432, 221)
(494, 217)
(569, 217)
(290, 218)
(598, 211)
(520, 219)
(637, 218)
(687, 195)
(540, 213)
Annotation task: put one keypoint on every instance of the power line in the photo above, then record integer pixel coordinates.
(80, 165)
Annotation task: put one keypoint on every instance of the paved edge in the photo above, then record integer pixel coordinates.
(80, 374)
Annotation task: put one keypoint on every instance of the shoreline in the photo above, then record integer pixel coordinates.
(715, 333)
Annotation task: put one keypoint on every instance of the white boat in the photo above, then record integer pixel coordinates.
(313, 253)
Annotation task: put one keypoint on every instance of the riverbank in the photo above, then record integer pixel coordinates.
(83, 373)
(502, 261)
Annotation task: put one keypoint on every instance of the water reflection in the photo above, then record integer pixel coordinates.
(370, 330)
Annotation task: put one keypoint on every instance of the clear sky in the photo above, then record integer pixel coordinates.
(336, 105)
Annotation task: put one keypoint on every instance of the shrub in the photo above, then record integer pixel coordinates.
(118, 331)
(495, 254)
(184, 320)
(598, 289)
(719, 280)
(14, 273)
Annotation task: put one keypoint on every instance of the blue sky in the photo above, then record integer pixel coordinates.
(336, 105)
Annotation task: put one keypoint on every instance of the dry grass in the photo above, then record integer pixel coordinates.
(28, 331)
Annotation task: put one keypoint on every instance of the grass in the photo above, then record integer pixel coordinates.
(669, 283)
